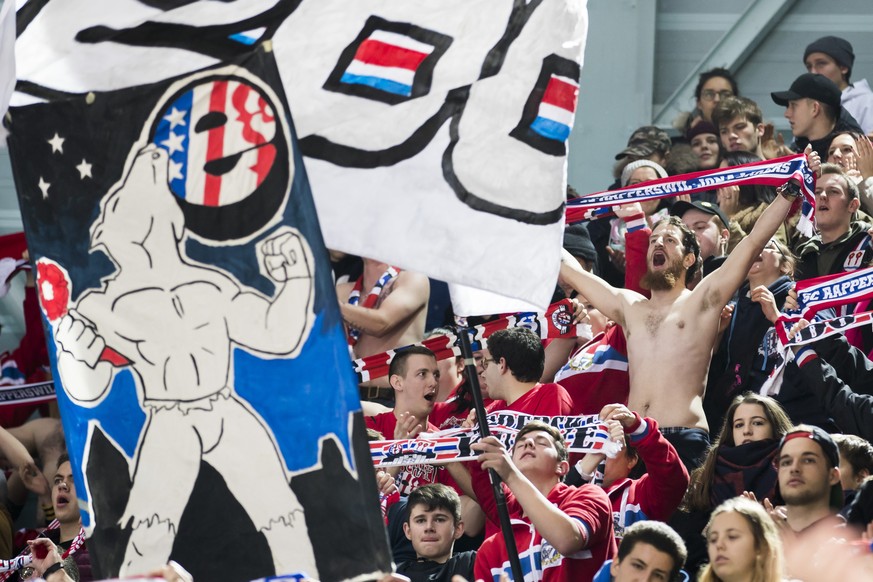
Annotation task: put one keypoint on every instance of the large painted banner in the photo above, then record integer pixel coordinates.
(435, 133)
(195, 332)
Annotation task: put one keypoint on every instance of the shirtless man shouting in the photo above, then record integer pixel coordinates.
(670, 336)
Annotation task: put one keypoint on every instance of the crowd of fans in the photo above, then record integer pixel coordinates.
(741, 459)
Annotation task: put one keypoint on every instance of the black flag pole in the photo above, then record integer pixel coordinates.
(499, 497)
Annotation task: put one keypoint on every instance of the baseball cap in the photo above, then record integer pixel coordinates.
(681, 207)
(810, 86)
(645, 141)
(835, 47)
(829, 449)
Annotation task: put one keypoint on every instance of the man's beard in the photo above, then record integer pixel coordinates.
(663, 280)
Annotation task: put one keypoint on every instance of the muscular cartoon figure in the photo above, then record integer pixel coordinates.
(175, 324)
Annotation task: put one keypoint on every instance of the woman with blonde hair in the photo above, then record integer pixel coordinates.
(743, 544)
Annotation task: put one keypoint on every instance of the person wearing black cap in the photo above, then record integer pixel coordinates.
(812, 107)
(808, 464)
(833, 57)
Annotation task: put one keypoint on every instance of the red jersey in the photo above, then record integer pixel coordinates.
(596, 374)
(543, 399)
(539, 559)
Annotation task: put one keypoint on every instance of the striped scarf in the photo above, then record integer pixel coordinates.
(774, 172)
(371, 299)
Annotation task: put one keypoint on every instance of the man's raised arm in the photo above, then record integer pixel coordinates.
(725, 280)
(606, 298)
(736, 267)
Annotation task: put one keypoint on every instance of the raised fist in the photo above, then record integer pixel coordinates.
(79, 339)
(286, 257)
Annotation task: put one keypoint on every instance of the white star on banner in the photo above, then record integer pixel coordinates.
(174, 143)
(44, 187)
(84, 170)
(57, 143)
(176, 171)
(175, 118)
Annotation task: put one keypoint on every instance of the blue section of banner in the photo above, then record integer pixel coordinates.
(550, 129)
(242, 38)
(291, 391)
(378, 83)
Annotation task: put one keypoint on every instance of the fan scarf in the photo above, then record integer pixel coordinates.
(582, 434)
(8, 567)
(371, 299)
(556, 322)
(774, 172)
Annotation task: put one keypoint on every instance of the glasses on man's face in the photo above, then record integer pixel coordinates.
(485, 362)
(710, 95)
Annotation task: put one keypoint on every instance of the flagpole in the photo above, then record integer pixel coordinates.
(496, 482)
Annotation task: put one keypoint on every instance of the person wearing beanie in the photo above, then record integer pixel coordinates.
(641, 171)
(578, 243)
(833, 57)
(703, 138)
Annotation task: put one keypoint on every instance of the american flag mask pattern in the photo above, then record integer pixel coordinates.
(219, 137)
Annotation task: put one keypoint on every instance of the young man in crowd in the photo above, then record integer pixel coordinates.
(649, 550)
(808, 465)
(66, 509)
(512, 366)
(740, 125)
(563, 533)
(841, 243)
(833, 57)
(812, 107)
(433, 525)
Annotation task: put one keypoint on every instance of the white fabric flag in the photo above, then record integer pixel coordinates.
(435, 134)
(7, 61)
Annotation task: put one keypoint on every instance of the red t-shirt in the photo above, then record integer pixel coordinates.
(543, 399)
